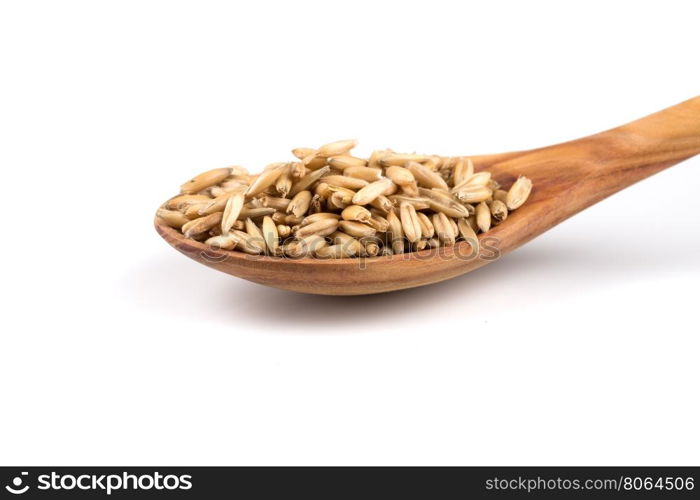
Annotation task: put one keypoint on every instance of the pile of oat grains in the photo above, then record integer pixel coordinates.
(330, 204)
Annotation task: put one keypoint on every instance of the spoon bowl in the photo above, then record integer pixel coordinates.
(567, 178)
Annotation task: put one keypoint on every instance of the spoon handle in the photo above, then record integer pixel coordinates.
(654, 142)
(594, 167)
(572, 176)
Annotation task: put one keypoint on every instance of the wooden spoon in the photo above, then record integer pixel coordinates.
(567, 178)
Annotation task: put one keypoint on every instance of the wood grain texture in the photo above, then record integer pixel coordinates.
(567, 178)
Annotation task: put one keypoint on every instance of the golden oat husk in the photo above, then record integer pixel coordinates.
(300, 203)
(345, 195)
(356, 229)
(321, 227)
(401, 176)
(270, 234)
(483, 217)
(372, 249)
(205, 180)
(404, 178)
(323, 189)
(183, 201)
(194, 211)
(256, 202)
(395, 226)
(232, 211)
(426, 177)
(333, 252)
(336, 148)
(274, 202)
(382, 203)
(307, 181)
(391, 188)
(345, 181)
(437, 194)
(265, 180)
(500, 195)
(402, 159)
(172, 218)
(454, 226)
(310, 219)
(474, 180)
(474, 194)
(342, 162)
(297, 170)
(443, 229)
(284, 182)
(316, 204)
(493, 185)
(518, 193)
(370, 246)
(200, 225)
(234, 185)
(352, 245)
(336, 202)
(305, 246)
(215, 191)
(379, 223)
(365, 173)
(439, 203)
(395, 232)
(410, 223)
(463, 169)
(302, 153)
(398, 247)
(255, 213)
(410, 189)
(468, 234)
(418, 202)
(356, 213)
(256, 236)
(427, 228)
(499, 210)
(370, 192)
(217, 204)
(245, 242)
(314, 162)
(224, 242)
(375, 158)
(283, 230)
(435, 162)
(293, 220)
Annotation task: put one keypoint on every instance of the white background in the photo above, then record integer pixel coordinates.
(580, 348)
